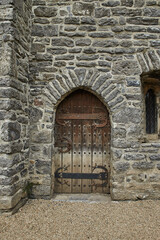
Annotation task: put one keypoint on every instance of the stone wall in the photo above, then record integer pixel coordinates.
(14, 72)
(103, 47)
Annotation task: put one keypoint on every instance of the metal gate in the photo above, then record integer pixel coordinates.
(82, 145)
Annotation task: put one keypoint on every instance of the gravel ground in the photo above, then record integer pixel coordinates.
(48, 220)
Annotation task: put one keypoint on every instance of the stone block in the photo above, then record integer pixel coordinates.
(121, 166)
(102, 12)
(82, 9)
(35, 114)
(72, 20)
(42, 191)
(139, 3)
(9, 202)
(83, 42)
(101, 35)
(64, 42)
(143, 165)
(107, 22)
(43, 136)
(119, 133)
(88, 21)
(158, 166)
(142, 21)
(155, 43)
(155, 157)
(46, 30)
(133, 156)
(87, 28)
(111, 3)
(10, 131)
(126, 67)
(105, 43)
(44, 11)
(127, 3)
(151, 12)
(132, 115)
(43, 167)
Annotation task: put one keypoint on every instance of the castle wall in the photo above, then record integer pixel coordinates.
(14, 72)
(103, 47)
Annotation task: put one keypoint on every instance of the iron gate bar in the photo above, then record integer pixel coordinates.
(101, 175)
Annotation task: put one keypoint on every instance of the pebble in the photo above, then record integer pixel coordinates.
(49, 220)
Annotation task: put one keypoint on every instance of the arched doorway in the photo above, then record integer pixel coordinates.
(82, 145)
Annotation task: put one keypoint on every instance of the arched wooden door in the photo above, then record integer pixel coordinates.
(82, 145)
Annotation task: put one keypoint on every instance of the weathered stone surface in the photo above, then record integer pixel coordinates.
(64, 42)
(151, 12)
(111, 3)
(121, 167)
(8, 202)
(158, 166)
(83, 42)
(10, 131)
(127, 3)
(105, 43)
(81, 9)
(139, 3)
(43, 167)
(107, 22)
(102, 12)
(142, 21)
(35, 114)
(72, 20)
(45, 11)
(143, 165)
(106, 47)
(41, 137)
(134, 156)
(101, 35)
(119, 133)
(126, 68)
(57, 51)
(43, 31)
(155, 157)
(88, 20)
(128, 114)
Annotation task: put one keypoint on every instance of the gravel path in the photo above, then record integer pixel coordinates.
(48, 220)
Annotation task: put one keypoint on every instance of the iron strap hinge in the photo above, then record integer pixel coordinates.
(101, 175)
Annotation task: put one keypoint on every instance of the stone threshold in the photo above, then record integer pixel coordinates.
(78, 197)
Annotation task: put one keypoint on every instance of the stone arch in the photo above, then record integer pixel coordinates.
(100, 84)
(149, 60)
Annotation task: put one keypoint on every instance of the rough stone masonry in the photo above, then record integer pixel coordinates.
(48, 49)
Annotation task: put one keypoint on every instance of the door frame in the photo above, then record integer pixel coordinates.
(54, 119)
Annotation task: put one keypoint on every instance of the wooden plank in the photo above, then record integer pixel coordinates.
(97, 158)
(89, 144)
(67, 159)
(86, 157)
(77, 154)
(82, 116)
